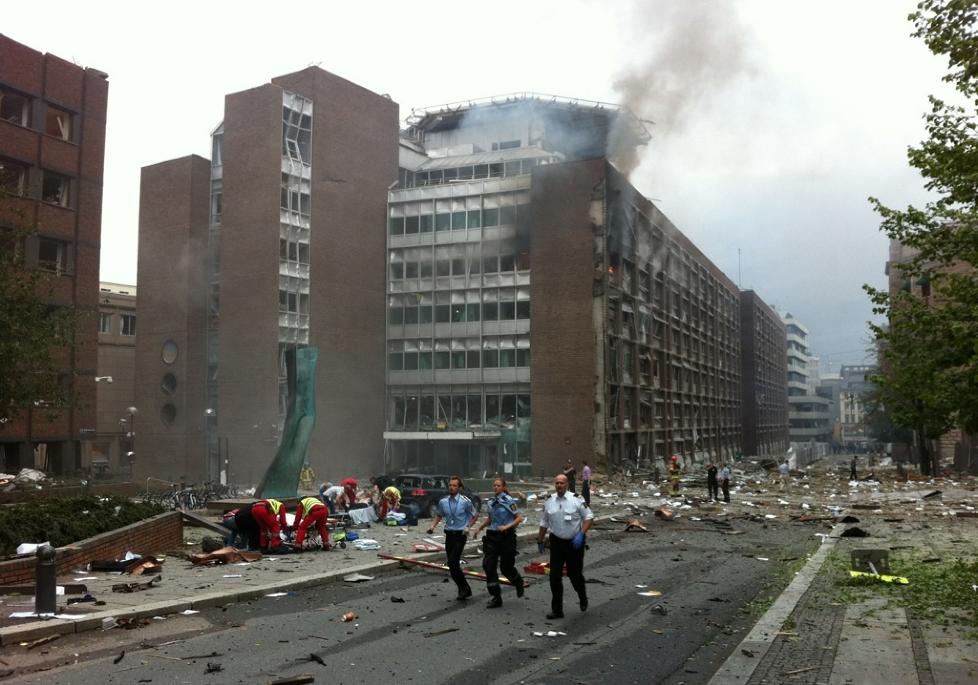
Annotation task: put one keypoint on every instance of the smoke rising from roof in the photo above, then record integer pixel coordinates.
(695, 48)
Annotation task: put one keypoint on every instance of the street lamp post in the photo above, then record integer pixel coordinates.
(131, 454)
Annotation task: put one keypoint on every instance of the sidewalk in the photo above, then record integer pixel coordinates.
(828, 628)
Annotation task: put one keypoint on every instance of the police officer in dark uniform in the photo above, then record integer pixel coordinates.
(499, 543)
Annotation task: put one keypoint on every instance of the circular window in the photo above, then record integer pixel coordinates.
(169, 383)
(168, 414)
(169, 352)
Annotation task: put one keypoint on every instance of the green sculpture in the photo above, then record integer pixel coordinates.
(281, 480)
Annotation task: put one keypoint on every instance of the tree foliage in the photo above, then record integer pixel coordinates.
(31, 329)
(930, 347)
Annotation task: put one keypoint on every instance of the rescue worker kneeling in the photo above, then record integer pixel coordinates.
(261, 523)
(311, 511)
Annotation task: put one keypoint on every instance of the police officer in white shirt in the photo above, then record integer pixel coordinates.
(568, 519)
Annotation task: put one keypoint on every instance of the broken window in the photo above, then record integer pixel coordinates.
(56, 189)
(490, 308)
(523, 351)
(53, 255)
(507, 304)
(473, 405)
(128, 324)
(395, 355)
(58, 123)
(13, 177)
(14, 107)
(426, 408)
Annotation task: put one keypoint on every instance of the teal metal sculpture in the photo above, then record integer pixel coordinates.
(281, 480)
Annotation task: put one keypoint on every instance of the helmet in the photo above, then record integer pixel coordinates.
(675, 457)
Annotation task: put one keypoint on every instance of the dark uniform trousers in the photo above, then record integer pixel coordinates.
(248, 527)
(712, 486)
(561, 552)
(454, 544)
(500, 550)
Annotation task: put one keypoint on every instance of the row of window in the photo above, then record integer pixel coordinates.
(127, 323)
(293, 303)
(459, 219)
(501, 352)
(516, 167)
(402, 311)
(15, 179)
(426, 411)
(426, 267)
(20, 109)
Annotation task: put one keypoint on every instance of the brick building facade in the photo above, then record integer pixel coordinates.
(52, 141)
(275, 243)
(764, 368)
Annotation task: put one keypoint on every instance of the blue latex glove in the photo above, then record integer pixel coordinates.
(541, 548)
(578, 540)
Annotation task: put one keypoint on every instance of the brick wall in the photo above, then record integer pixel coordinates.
(152, 536)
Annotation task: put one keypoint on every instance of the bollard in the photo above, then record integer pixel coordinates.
(45, 582)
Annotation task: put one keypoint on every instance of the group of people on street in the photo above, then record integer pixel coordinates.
(563, 527)
(717, 479)
(566, 518)
(259, 525)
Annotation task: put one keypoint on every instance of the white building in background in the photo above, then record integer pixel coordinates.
(809, 414)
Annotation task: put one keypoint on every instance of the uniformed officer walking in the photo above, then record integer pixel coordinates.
(459, 514)
(568, 519)
(499, 543)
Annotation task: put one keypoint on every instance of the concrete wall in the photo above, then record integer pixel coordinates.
(562, 335)
(173, 216)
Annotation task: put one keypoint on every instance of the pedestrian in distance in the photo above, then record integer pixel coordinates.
(459, 514)
(333, 497)
(852, 469)
(784, 473)
(499, 543)
(390, 502)
(567, 519)
(571, 474)
(233, 538)
(724, 477)
(311, 512)
(674, 471)
(586, 483)
(712, 485)
(349, 492)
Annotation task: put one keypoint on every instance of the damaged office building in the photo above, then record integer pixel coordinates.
(540, 309)
(519, 305)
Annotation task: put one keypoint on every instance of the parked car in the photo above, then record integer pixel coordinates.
(425, 490)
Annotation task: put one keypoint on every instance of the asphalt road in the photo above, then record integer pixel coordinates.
(707, 579)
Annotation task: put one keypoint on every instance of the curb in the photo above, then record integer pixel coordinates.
(738, 668)
(12, 635)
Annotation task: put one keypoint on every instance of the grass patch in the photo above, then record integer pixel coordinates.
(64, 521)
(941, 591)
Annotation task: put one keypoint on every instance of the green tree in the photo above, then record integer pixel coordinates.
(930, 347)
(33, 330)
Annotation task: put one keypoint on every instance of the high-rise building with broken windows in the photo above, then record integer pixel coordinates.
(764, 370)
(539, 308)
(274, 244)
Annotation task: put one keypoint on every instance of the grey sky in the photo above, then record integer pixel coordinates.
(776, 119)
